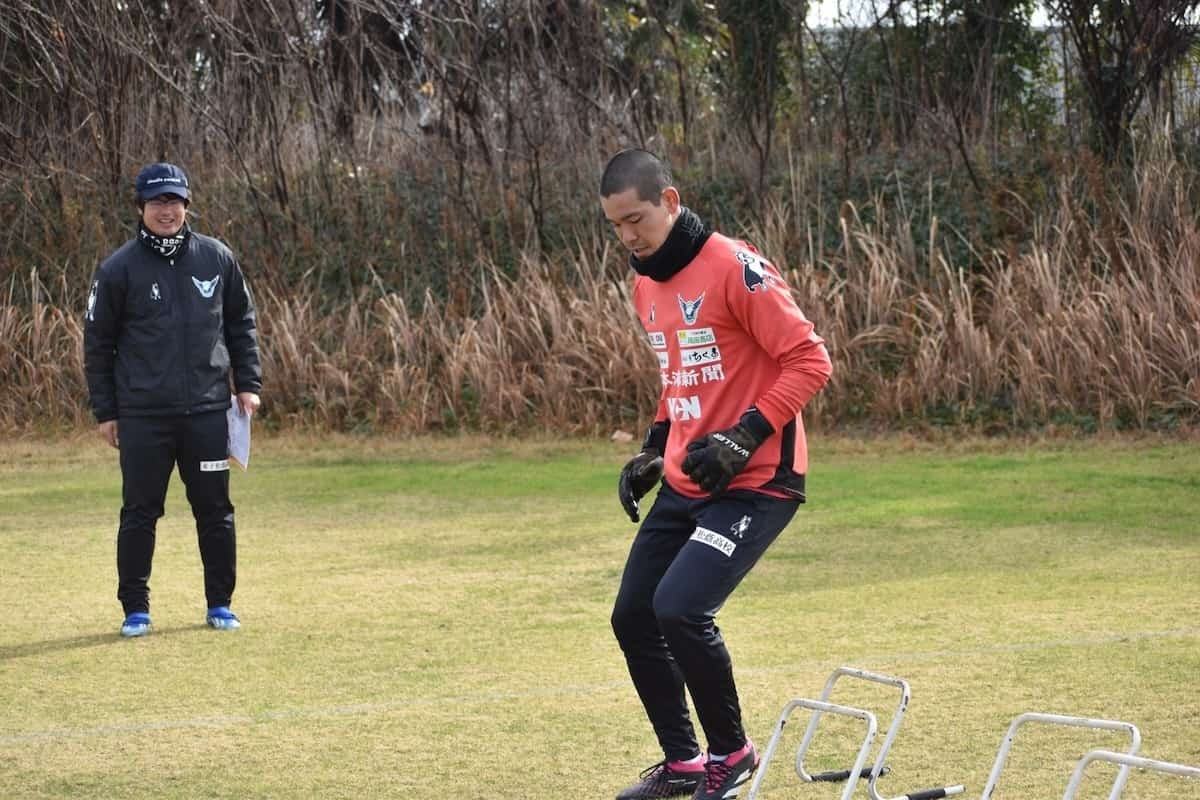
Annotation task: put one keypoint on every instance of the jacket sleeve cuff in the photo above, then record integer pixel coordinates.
(757, 423)
(656, 436)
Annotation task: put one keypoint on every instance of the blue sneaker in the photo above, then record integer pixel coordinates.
(136, 624)
(222, 619)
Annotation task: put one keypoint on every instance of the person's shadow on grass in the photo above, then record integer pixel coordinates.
(81, 642)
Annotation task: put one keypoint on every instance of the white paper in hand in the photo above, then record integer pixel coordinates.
(239, 435)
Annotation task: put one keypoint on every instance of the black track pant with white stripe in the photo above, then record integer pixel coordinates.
(687, 558)
(150, 448)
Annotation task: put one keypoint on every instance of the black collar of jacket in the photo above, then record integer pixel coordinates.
(687, 236)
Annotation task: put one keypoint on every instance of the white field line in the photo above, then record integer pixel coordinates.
(356, 709)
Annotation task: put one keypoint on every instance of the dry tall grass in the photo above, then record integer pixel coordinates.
(1094, 324)
(542, 353)
(41, 362)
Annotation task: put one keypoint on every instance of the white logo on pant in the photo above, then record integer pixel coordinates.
(206, 288)
(215, 466)
(714, 540)
(684, 408)
(740, 527)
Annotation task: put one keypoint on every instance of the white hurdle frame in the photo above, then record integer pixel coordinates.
(817, 707)
(853, 775)
(880, 760)
(1126, 760)
(878, 768)
(1077, 722)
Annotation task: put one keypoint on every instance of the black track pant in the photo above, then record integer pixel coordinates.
(687, 557)
(150, 449)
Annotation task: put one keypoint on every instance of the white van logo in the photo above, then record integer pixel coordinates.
(206, 288)
(684, 408)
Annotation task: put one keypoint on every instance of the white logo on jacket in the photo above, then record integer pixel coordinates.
(754, 271)
(700, 355)
(154, 293)
(696, 338)
(684, 408)
(690, 308)
(206, 288)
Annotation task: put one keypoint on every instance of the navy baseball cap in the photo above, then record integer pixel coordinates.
(161, 178)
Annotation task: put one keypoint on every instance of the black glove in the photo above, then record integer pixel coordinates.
(639, 475)
(715, 459)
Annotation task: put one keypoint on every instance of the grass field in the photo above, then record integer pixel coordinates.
(429, 619)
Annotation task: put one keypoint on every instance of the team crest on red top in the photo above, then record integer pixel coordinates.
(690, 308)
(754, 271)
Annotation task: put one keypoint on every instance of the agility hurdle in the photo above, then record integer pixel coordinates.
(852, 775)
(1125, 760)
(1135, 737)
(817, 707)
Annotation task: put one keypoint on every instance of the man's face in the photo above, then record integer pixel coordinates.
(641, 225)
(164, 215)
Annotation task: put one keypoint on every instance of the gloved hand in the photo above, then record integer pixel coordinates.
(641, 472)
(716, 458)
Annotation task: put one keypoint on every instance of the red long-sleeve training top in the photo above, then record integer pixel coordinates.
(728, 335)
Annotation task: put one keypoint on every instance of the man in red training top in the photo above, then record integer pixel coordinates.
(738, 362)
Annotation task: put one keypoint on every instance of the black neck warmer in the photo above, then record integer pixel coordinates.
(687, 236)
(165, 246)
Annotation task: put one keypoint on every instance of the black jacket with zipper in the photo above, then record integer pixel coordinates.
(163, 334)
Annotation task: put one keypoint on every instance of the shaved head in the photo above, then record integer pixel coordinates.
(636, 169)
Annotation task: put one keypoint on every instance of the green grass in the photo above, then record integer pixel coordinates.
(429, 618)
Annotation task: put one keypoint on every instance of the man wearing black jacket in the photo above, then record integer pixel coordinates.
(170, 321)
